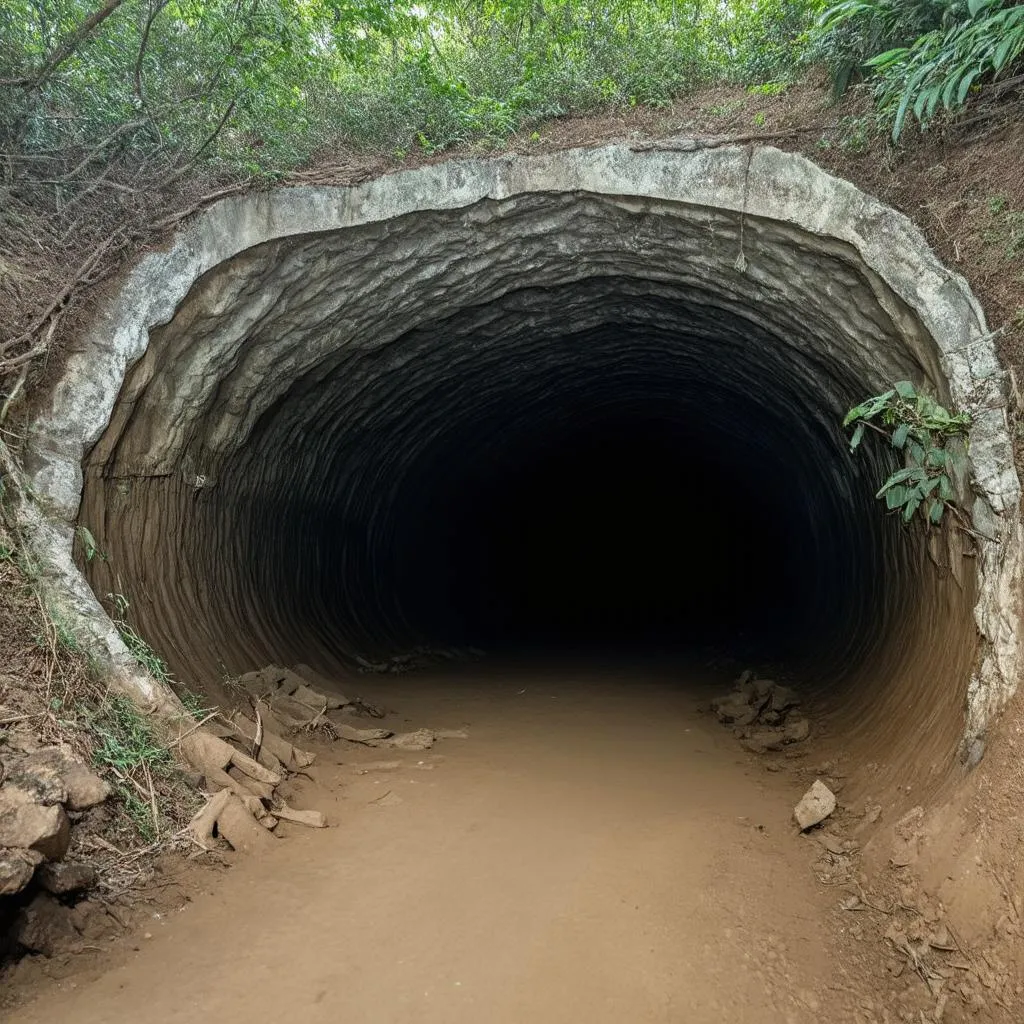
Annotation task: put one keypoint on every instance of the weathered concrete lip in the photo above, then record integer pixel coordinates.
(759, 182)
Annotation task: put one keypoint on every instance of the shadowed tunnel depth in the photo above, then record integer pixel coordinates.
(558, 421)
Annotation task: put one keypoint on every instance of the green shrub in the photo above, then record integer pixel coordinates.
(923, 56)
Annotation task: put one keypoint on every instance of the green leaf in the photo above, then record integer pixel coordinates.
(1003, 50)
(858, 435)
(913, 504)
(896, 496)
(889, 57)
(965, 86)
(935, 511)
(897, 478)
(905, 389)
(899, 437)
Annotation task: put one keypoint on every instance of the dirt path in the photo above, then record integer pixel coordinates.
(594, 852)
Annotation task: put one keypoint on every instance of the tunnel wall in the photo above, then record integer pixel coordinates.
(909, 316)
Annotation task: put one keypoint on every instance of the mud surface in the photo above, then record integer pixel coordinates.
(596, 849)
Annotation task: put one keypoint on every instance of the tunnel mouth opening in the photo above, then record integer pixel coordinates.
(589, 404)
(594, 463)
(637, 503)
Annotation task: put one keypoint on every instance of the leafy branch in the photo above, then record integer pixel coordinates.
(934, 444)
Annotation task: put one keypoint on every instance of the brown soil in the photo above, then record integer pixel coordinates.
(598, 849)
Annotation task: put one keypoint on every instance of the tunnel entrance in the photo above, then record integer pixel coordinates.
(587, 402)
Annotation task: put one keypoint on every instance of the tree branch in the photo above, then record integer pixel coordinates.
(71, 43)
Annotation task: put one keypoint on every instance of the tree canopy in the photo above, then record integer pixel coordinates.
(262, 84)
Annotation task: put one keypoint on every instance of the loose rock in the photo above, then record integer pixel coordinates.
(45, 926)
(761, 711)
(421, 739)
(66, 877)
(760, 741)
(240, 828)
(46, 830)
(85, 788)
(796, 729)
(34, 784)
(815, 806)
(371, 737)
(313, 819)
(782, 698)
(16, 869)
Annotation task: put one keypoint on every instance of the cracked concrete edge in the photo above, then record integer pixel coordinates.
(68, 600)
(759, 181)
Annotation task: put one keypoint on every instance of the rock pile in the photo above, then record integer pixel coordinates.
(38, 789)
(763, 714)
(417, 658)
(243, 757)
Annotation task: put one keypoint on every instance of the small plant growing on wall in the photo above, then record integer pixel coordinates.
(934, 444)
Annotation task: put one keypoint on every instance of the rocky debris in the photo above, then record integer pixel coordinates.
(417, 658)
(67, 877)
(85, 788)
(45, 926)
(242, 759)
(314, 819)
(37, 784)
(796, 729)
(16, 869)
(814, 806)
(240, 727)
(40, 785)
(763, 713)
(40, 827)
(368, 737)
(274, 681)
(294, 702)
(421, 739)
(240, 828)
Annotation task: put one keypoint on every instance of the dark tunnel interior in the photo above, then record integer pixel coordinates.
(600, 456)
(631, 527)
(634, 497)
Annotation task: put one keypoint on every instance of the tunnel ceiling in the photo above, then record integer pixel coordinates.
(510, 401)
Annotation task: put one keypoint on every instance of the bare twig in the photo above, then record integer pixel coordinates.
(202, 149)
(154, 809)
(257, 743)
(195, 728)
(154, 11)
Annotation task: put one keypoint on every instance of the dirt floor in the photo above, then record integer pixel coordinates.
(599, 848)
